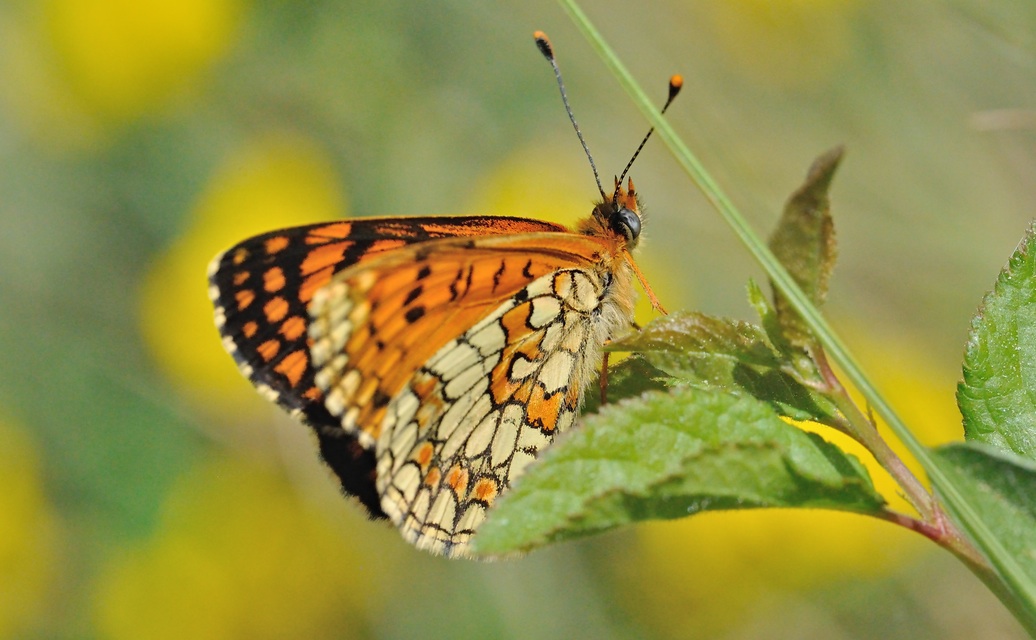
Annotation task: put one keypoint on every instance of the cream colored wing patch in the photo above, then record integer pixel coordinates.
(482, 408)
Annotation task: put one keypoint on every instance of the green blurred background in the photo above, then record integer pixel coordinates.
(148, 492)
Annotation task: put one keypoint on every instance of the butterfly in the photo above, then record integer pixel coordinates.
(434, 357)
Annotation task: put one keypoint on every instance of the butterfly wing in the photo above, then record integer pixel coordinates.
(459, 360)
(260, 289)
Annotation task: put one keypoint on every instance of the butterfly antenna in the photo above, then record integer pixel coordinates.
(548, 52)
(675, 84)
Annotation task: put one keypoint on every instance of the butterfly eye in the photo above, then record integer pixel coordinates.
(626, 223)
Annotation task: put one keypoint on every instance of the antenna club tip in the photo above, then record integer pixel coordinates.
(543, 42)
(675, 84)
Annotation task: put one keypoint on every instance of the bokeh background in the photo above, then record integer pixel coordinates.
(146, 491)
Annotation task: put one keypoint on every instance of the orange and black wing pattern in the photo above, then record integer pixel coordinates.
(261, 289)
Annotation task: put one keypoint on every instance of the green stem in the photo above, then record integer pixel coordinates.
(862, 429)
(869, 437)
(1020, 590)
(934, 523)
(956, 545)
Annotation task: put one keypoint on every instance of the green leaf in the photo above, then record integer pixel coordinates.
(997, 396)
(631, 377)
(1001, 486)
(800, 363)
(804, 242)
(728, 355)
(667, 455)
(698, 333)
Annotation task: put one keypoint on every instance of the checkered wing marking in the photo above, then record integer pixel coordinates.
(485, 382)
(260, 289)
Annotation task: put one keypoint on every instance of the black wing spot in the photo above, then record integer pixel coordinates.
(414, 294)
(454, 292)
(424, 272)
(381, 399)
(414, 314)
(499, 274)
(467, 283)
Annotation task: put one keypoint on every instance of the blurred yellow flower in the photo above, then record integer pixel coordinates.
(274, 183)
(708, 572)
(238, 554)
(28, 535)
(124, 57)
(789, 43)
(73, 68)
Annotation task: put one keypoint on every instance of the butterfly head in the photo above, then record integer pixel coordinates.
(619, 215)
